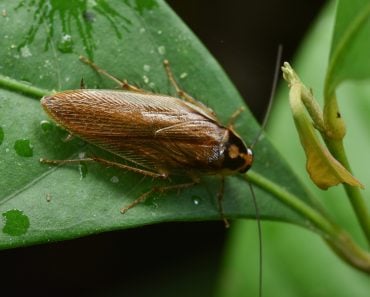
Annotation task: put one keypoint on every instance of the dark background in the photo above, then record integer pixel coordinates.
(243, 36)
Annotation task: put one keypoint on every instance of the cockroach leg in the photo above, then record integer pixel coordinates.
(234, 116)
(125, 85)
(144, 196)
(100, 70)
(181, 93)
(220, 198)
(131, 168)
(122, 83)
(107, 163)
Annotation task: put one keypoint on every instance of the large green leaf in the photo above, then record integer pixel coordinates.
(129, 38)
(349, 56)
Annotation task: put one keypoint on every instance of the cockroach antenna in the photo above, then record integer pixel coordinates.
(254, 200)
(272, 95)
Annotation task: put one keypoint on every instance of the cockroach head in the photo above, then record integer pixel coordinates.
(238, 157)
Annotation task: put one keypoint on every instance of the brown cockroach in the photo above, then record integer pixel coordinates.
(158, 135)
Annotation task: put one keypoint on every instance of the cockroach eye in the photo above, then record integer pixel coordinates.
(248, 160)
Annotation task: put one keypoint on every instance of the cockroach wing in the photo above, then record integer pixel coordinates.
(158, 132)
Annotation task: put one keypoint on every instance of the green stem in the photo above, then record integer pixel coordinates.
(354, 193)
(337, 238)
(21, 87)
(292, 201)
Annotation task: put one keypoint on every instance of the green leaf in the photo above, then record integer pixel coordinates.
(130, 39)
(349, 55)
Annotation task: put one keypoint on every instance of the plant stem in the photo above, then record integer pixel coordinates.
(337, 238)
(22, 87)
(354, 194)
(292, 201)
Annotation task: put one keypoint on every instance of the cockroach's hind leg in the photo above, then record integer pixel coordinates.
(125, 85)
(144, 196)
(220, 198)
(107, 163)
(235, 115)
(100, 70)
(122, 83)
(66, 161)
(61, 162)
(131, 168)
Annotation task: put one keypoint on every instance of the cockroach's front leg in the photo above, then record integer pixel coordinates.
(234, 116)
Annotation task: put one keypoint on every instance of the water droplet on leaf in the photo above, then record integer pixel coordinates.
(196, 200)
(15, 222)
(46, 126)
(114, 179)
(65, 44)
(23, 147)
(161, 50)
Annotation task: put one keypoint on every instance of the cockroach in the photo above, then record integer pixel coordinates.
(158, 135)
